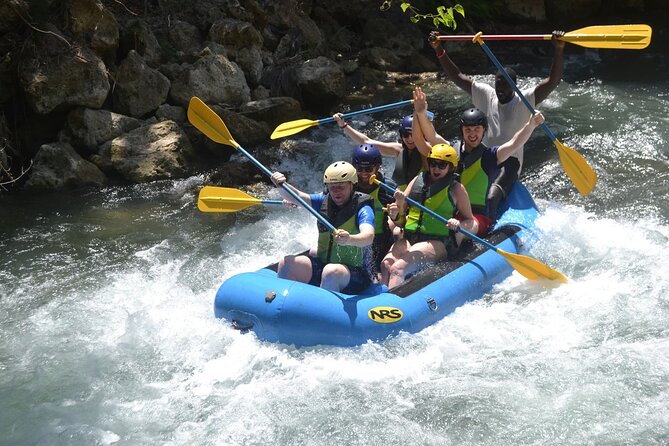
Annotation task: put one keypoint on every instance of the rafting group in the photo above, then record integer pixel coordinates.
(381, 237)
(443, 193)
(375, 232)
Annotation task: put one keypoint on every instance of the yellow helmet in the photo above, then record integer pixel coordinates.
(444, 152)
(340, 172)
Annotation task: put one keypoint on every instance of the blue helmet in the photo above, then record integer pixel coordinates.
(406, 125)
(366, 154)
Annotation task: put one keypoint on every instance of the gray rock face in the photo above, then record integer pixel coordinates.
(89, 128)
(59, 166)
(153, 152)
(214, 79)
(321, 81)
(139, 89)
(91, 20)
(64, 78)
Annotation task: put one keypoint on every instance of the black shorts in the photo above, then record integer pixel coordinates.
(360, 278)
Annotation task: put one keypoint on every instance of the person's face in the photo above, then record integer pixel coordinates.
(472, 135)
(365, 172)
(503, 89)
(438, 168)
(340, 192)
(407, 137)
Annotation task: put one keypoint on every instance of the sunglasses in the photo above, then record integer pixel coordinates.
(364, 168)
(437, 163)
(405, 134)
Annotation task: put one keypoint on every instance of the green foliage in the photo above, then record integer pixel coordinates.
(443, 16)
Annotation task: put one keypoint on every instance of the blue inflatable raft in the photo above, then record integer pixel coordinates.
(288, 312)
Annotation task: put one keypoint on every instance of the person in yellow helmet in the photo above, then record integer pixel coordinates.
(481, 167)
(341, 261)
(426, 239)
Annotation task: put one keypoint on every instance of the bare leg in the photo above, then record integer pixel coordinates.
(296, 268)
(414, 259)
(335, 277)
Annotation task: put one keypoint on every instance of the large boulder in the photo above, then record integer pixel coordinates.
(58, 166)
(321, 82)
(90, 20)
(185, 37)
(213, 78)
(139, 89)
(243, 43)
(246, 131)
(137, 35)
(89, 128)
(273, 111)
(56, 76)
(152, 152)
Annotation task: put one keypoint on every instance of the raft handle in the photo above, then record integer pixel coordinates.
(432, 304)
(236, 326)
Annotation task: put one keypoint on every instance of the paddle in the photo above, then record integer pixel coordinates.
(527, 266)
(624, 37)
(226, 199)
(577, 168)
(292, 127)
(209, 123)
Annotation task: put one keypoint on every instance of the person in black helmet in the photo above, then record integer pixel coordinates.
(409, 159)
(366, 159)
(504, 109)
(481, 168)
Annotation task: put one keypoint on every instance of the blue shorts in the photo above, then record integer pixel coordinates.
(360, 278)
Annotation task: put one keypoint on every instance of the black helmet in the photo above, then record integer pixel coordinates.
(473, 116)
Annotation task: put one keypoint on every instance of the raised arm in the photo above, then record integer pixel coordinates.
(452, 71)
(386, 148)
(520, 138)
(546, 86)
(426, 127)
(418, 138)
(278, 178)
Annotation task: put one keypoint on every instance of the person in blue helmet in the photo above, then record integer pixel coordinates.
(409, 159)
(366, 158)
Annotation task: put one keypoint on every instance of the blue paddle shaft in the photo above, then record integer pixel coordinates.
(439, 217)
(510, 81)
(287, 188)
(368, 110)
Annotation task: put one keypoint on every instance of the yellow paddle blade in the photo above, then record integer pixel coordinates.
(292, 127)
(224, 199)
(532, 268)
(632, 37)
(209, 123)
(577, 168)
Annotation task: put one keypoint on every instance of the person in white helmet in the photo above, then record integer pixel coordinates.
(341, 260)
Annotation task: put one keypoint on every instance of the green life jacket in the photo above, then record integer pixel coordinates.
(381, 198)
(474, 178)
(344, 217)
(437, 198)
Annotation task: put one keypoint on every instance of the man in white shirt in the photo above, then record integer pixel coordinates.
(504, 109)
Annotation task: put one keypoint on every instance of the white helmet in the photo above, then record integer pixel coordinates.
(340, 172)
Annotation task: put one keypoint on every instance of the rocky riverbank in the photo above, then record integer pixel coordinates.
(93, 91)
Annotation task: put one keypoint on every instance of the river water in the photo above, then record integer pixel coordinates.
(107, 332)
